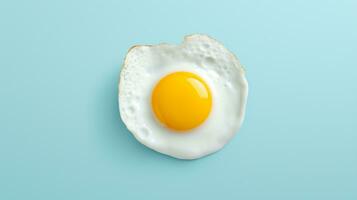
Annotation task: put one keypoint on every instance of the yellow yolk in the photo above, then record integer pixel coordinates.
(181, 101)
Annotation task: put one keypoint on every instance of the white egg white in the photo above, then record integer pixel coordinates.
(145, 65)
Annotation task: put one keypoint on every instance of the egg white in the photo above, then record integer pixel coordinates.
(144, 66)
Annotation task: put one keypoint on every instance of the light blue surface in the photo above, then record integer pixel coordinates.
(60, 132)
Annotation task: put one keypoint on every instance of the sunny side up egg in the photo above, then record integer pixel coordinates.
(185, 101)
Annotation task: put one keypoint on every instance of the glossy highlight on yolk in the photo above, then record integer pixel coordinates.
(181, 101)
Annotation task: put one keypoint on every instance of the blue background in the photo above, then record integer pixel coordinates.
(60, 132)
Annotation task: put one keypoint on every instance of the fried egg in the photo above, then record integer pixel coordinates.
(186, 101)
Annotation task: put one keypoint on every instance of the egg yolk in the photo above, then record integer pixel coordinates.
(181, 101)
